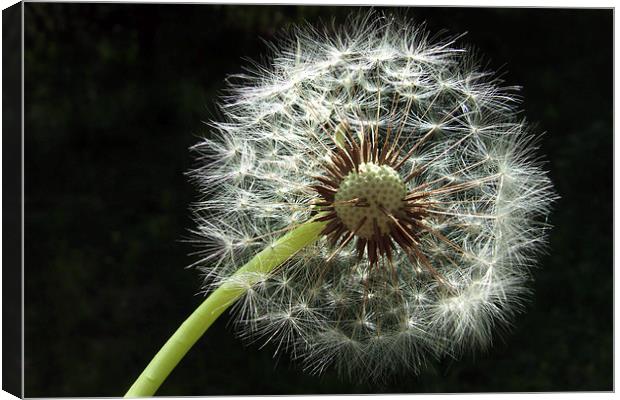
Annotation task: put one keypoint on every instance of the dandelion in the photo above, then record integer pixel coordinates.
(381, 194)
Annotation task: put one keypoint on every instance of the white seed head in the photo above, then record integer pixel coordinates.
(434, 197)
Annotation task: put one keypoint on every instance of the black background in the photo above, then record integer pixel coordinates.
(115, 94)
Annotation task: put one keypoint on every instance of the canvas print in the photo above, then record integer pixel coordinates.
(295, 199)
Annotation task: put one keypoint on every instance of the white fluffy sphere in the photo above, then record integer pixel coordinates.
(428, 272)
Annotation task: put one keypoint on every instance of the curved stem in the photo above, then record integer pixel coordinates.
(219, 300)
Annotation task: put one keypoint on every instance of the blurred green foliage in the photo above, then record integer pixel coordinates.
(115, 94)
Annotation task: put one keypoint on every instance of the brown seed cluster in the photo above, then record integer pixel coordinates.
(378, 222)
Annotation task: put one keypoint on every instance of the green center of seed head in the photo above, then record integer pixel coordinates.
(375, 187)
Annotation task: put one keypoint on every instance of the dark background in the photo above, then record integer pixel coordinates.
(115, 94)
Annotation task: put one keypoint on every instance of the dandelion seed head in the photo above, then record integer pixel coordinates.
(434, 198)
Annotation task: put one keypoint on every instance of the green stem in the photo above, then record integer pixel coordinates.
(195, 326)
